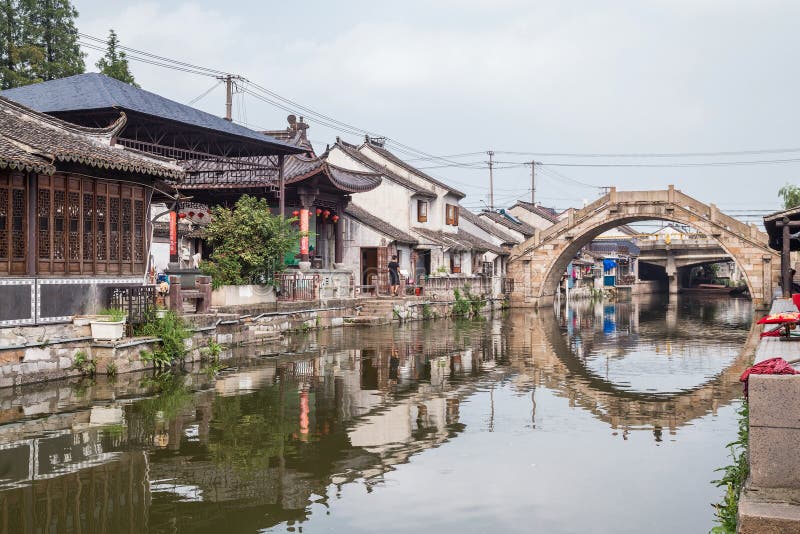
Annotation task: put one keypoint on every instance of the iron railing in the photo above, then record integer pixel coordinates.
(297, 286)
(138, 302)
(476, 284)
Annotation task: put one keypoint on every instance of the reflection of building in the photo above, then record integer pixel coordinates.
(259, 445)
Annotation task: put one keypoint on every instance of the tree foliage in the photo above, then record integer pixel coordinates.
(114, 63)
(249, 243)
(790, 195)
(38, 41)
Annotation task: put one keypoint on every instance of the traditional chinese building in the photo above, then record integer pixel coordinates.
(73, 214)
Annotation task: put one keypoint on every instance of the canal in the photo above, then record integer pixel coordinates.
(597, 418)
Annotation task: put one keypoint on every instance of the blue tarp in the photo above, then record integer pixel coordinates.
(609, 264)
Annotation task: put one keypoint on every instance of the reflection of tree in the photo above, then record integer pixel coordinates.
(250, 430)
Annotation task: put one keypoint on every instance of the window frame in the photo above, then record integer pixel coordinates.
(451, 214)
(422, 210)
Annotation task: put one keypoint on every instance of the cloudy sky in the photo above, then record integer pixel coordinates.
(453, 77)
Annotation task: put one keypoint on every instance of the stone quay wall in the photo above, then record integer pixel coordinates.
(30, 354)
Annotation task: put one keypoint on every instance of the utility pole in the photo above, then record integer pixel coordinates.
(228, 79)
(533, 183)
(491, 180)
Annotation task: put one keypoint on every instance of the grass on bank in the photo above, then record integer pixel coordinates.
(733, 478)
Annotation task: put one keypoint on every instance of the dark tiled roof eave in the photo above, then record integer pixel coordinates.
(391, 157)
(353, 152)
(93, 91)
(486, 227)
(521, 227)
(31, 140)
(376, 223)
(544, 213)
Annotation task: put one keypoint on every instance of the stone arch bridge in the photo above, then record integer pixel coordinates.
(538, 264)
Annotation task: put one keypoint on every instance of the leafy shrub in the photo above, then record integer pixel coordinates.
(173, 333)
(82, 363)
(249, 243)
(112, 315)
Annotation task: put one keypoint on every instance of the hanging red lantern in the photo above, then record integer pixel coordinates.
(295, 213)
(191, 214)
(335, 218)
(326, 214)
(201, 215)
(181, 215)
(319, 211)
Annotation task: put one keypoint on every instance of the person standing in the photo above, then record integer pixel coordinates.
(394, 275)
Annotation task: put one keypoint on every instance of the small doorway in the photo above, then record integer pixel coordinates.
(369, 265)
(423, 265)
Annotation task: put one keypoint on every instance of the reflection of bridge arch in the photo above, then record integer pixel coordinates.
(561, 370)
(537, 265)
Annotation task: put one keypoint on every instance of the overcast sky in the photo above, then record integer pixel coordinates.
(460, 76)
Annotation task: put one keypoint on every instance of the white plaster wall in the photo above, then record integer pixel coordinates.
(533, 219)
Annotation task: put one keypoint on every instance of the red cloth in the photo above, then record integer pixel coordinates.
(773, 366)
(771, 333)
(780, 318)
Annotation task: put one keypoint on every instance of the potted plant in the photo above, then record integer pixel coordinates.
(109, 325)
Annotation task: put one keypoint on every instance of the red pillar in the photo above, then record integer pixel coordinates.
(304, 234)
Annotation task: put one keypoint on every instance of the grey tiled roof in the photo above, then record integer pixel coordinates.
(379, 224)
(397, 161)
(522, 227)
(94, 91)
(486, 227)
(548, 214)
(33, 141)
(298, 168)
(462, 240)
(353, 152)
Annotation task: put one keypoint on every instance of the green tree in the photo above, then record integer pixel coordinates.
(38, 41)
(54, 31)
(791, 196)
(114, 63)
(249, 243)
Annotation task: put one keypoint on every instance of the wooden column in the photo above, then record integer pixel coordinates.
(786, 261)
(281, 188)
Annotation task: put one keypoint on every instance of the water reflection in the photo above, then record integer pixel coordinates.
(274, 443)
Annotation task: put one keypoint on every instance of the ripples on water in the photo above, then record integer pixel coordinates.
(600, 418)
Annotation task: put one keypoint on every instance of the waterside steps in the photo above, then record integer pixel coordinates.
(381, 310)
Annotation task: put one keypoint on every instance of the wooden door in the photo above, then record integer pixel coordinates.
(383, 269)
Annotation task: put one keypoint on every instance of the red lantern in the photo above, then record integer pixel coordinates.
(191, 214)
(326, 214)
(335, 218)
(201, 215)
(181, 215)
(319, 211)
(295, 213)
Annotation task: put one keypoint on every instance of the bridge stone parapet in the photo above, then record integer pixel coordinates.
(538, 264)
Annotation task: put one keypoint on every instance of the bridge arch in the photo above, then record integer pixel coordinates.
(538, 264)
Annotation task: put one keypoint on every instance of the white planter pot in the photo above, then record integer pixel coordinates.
(108, 330)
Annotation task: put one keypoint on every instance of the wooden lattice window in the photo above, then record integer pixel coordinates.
(13, 218)
(87, 226)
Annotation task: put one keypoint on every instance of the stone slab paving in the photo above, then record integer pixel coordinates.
(775, 347)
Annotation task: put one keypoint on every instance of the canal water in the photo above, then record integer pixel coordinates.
(595, 418)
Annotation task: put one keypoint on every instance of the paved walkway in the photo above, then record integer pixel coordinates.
(776, 347)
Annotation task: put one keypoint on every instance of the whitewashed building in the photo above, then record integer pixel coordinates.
(407, 204)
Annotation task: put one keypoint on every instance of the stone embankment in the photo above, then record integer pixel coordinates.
(30, 354)
(770, 500)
